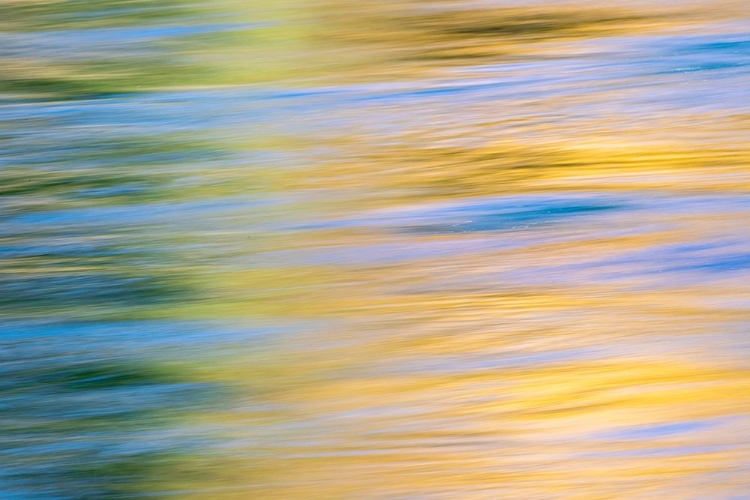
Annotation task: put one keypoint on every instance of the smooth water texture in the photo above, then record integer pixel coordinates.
(412, 250)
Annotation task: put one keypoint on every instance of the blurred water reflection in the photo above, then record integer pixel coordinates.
(412, 249)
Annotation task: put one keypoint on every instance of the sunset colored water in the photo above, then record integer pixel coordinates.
(414, 250)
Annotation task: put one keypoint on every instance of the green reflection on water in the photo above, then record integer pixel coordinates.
(86, 428)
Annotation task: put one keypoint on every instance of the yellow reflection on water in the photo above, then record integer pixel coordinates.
(455, 358)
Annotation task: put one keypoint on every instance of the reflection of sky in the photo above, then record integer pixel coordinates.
(123, 338)
(529, 221)
(661, 430)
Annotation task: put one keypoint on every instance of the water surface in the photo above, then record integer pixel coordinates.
(404, 250)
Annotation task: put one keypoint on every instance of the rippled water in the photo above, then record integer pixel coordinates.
(399, 250)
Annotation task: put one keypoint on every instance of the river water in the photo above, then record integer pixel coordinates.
(403, 250)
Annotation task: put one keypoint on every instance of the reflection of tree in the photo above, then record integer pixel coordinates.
(431, 35)
(61, 252)
(118, 47)
(81, 425)
(78, 247)
(114, 47)
(35, 31)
